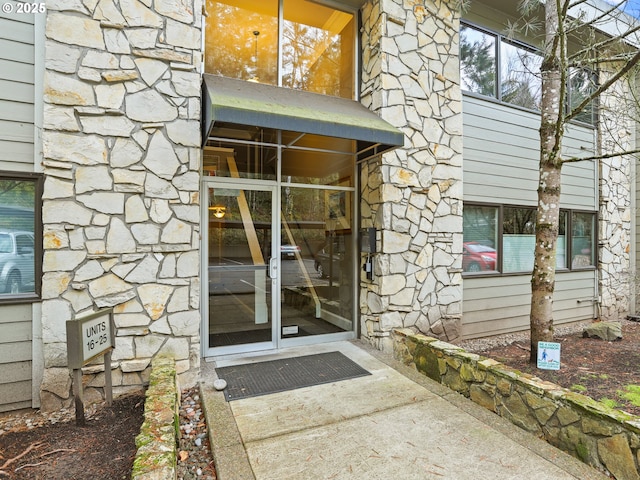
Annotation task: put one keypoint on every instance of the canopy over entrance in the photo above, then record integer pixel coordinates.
(228, 100)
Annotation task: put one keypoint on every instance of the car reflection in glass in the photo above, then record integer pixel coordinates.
(478, 258)
(289, 251)
(16, 261)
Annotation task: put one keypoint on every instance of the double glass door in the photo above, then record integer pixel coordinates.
(279, 253)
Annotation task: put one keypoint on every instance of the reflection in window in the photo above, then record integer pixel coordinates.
(582, 240)
(317, 49)
(478, 61)
(519, 66)
(582, 84)
(242, 43)
(519, 239)
(512, 231)
(520, 80)
(316, 234)
(316, 44)
(480, 239)
(17, 236)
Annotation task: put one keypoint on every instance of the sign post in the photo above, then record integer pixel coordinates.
(88, 338)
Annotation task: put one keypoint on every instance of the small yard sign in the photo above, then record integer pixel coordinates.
(88, 338)
(549, 355)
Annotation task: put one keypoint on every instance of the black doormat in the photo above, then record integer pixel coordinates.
(254, 379)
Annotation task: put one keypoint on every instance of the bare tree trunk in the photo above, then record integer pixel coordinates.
(548, 212)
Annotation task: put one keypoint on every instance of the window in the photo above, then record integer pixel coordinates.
(582, 83)
(582, 239)
(478, 61)
(20, 254)
(520, 82)
(317, 44)
(480, 226)
(513, 75)
(501, 239)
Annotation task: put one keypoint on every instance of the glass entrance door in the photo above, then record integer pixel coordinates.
(241, 266)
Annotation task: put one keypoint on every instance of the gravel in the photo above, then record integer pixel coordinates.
(194, 453)
(478, 345)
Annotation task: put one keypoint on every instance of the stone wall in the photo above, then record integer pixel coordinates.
(413, 195)
(606, 439)
(121, 155)
(617, 133)
(157, 442)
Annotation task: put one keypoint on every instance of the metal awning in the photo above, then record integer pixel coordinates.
(253, 104)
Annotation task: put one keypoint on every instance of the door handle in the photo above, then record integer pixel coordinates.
(273, 267)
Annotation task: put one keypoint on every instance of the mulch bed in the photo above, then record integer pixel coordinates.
(103, 449)
(592, 367)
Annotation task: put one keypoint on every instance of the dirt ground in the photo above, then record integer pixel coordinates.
(104, 449)
(599, 369)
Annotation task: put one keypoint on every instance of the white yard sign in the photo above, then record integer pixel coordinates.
(88, 338)
(549, 356)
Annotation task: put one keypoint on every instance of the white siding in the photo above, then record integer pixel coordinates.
(15, 357)
(496, 305)
(17, 59)
(501, 155)
(17, 78)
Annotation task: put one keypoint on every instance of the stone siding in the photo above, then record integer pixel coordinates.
(618, 130)
(413, 195)
(121, 155)
(606, 439)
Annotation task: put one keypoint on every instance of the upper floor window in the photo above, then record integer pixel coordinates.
(494, 66)
(296, 44)
(20, 253)
(520, 82)
(478, 63)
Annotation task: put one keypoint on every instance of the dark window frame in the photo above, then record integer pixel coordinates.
(38, 181)
(499, 40)
(568, 267)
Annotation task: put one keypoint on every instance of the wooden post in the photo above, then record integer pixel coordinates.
(77, 393)
(108, 386)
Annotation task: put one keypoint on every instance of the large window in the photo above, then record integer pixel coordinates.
(20, 250)
(501, 239)
(317, 44)
(494, 66)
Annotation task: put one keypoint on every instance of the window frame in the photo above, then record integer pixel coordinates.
(38, 181)
(568, 267)
(499, 40)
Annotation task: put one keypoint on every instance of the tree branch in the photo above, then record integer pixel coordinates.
(600, 157)
(603, 87)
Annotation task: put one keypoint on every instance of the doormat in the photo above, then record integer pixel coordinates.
(263, 378)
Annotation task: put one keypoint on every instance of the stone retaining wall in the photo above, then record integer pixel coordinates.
(604, 438)
(157, 441)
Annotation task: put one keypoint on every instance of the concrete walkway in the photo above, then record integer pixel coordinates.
(393, 424)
